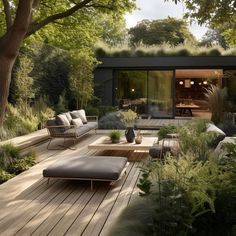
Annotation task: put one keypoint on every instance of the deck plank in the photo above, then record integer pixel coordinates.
(122, 200)
(105, 208)
(66, 207)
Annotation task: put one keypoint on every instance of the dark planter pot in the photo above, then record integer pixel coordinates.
(129, 134)
(115, 140)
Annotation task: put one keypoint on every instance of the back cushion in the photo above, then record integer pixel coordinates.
(77, 122)
(52, 122)
(62, 120)
(218, 134)
(79, 114)
(68, 116)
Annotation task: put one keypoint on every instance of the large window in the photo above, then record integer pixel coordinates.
(146, 92)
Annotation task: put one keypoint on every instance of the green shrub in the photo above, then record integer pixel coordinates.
(21, 164)
(11, 163)
(164, 130)
(5, 176)
(194, 140)
(111, 121)
(128, 117)
(8, 153)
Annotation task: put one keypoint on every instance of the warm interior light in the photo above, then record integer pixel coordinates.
(181, 82)
(200, 83)
(205, 82)
(192, 82)
(132, 90)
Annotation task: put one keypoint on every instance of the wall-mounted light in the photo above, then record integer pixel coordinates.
(192, 82)
(205, 82)
(181, 82)
(200, 83)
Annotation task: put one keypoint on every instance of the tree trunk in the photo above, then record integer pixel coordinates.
(5, 79)
(9, 48)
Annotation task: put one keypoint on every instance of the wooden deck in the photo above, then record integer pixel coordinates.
(28, 206)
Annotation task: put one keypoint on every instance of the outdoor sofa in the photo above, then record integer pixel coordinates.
(70, 125)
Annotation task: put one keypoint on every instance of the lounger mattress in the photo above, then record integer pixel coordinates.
(87, 167)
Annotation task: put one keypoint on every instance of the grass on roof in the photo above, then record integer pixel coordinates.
(103, 50)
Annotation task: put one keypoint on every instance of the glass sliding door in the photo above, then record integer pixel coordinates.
(148, 93)
(160, 93)
(131, 90)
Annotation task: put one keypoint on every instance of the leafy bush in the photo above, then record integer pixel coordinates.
(117, 120)
(22, 164)
(164, 130)
(5, 176)
(193, 193)
(21, 119)
(194, 140)
(111, 121)
(11, 163)
(7, 155)
(128, 117)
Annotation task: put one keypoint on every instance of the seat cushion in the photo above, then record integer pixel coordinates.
(87, 167)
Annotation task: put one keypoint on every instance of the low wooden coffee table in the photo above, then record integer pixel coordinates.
(104, 143)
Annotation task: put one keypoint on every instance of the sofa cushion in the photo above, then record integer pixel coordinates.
(54, 130)
(68, 116)
(218, 134)
(79, 114)
(92, 125)
(77, 122)
(62, 120)
(87, 167)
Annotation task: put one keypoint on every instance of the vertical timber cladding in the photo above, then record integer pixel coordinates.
(103, 85)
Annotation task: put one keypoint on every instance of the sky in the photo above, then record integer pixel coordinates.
(159, 9)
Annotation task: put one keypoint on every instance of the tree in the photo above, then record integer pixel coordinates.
(113, 29)
(171, 30)
(212, 37)
(81, 79)
(214, 13)
(24, 83)
(26, 17)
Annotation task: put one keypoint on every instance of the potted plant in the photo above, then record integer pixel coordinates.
(115, 136)
(128, 118)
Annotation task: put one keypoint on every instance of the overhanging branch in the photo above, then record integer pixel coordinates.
(6, 7)
(37, 26)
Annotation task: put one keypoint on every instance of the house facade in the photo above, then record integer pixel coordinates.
(156, 86)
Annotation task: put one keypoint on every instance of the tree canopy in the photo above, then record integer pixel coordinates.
(171, 30)
(62, 22)
(214, 13)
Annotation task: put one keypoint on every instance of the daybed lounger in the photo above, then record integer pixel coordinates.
(93, 168)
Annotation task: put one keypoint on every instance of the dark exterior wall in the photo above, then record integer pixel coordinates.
(103, 85)
(169, 62)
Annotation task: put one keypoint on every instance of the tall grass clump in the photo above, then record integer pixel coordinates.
(216, 97)
(22, 119)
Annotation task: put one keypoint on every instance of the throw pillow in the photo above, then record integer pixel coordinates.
(79, 114)
(77, 122)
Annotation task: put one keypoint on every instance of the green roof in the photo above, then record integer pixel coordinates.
(163, 50)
